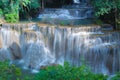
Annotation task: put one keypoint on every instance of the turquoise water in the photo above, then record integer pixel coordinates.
(66, 21)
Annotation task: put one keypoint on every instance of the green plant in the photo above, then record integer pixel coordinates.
(29, 8)
(11, 17)
(10, 9)
(68, 72)
(116, 77)
(62, 23)
(55, 72)
(9, 72)
(98, 22)
(103, 7)
(1, 13)
(34, 4)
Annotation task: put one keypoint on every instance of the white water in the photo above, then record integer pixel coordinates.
(74, 11)
(65, 14)
(42, 46)
(76, 1)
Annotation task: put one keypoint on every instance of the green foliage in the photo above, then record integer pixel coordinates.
(55, 72)
(105, 6)
(9, 72)
(9, 9)
(98, 22)
(11, 17)
(116, 77)
(24, 4)
(34, 4)
(67, 72)
(1, 13)
(30, 7)
(62, 23)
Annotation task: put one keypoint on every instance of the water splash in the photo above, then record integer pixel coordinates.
(44, 46)
(76, 1)
(72, 12)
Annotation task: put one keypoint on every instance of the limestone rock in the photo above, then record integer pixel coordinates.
(15, 51)
(0, 42)
(2, 21)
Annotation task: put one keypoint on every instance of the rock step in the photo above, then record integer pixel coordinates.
(107, 45)
(19, 26)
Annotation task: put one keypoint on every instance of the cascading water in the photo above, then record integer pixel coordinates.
(75, 12)
(76, 1)
(35, 46)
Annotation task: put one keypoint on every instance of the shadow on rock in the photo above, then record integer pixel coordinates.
(15, 51)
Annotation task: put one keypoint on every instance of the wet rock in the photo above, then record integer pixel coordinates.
(0, 42)
(2, 21)
(107, 27)
(37, 55)
(15, 51)
(45, 67)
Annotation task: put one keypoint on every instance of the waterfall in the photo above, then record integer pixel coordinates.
(35, 46)
(69, 14)
(76, 1)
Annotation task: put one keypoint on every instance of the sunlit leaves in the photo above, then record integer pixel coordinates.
(10, 8)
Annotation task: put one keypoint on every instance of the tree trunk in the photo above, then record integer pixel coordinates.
(116, 14)
(42, 4)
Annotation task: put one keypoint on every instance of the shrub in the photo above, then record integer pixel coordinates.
(11, 17)
(67, 72)
(98, 22)
(56, 72)
(116, 77)
(11, 9)
(9, 72)
(1, 13)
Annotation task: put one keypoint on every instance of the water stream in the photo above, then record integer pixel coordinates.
(32, 46)
(76, 1)
(35, 46)
(68, 14)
